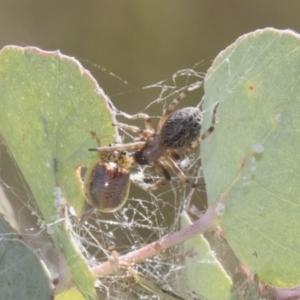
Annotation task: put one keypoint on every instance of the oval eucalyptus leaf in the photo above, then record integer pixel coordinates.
(49, 106)
(252, 159)
(17, 261)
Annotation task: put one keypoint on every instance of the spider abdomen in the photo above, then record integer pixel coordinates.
(181, 128)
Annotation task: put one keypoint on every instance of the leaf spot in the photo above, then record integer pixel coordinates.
(258, 148)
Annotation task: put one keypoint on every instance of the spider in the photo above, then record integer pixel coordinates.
(176, 130)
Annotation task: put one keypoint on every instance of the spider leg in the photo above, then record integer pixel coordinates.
(195, 143)
(135, 129)
(173, 104)
(159, 167)
(177, 171)
(148, 122)
(120, 147)
(174, 154)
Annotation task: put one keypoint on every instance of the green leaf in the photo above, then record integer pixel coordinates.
(49, 106)
(252, 158)
(205, 275)
(17, 261)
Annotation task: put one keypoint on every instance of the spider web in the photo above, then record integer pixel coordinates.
(145, 218)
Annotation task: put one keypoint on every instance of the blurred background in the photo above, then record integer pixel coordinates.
(142, 41)
(128, 45)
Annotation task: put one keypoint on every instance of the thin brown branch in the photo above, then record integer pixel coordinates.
(206, 223)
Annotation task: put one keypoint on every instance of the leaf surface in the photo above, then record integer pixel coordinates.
(49, 106)
(17, 261)
(252, 158)
(205, 275)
